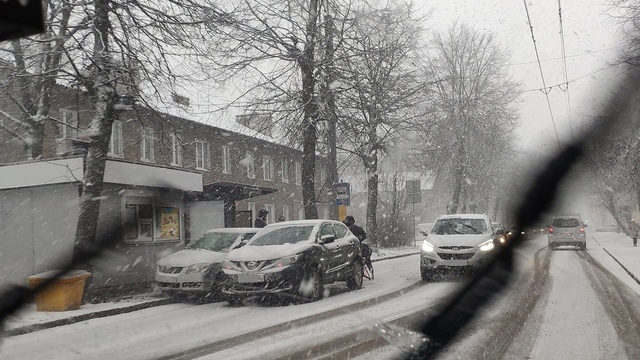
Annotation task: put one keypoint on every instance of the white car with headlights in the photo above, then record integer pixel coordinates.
(183, 271)
(457, 242)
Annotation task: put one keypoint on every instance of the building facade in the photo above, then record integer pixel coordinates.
(168, 179)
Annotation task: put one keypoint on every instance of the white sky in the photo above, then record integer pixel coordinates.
(588, 27)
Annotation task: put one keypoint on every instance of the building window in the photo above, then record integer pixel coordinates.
(252, 207)
(271, 214)
(284, 165)
(285, 212)
(147, 144)
(325, 212)
(146, 221)
(250, 165)
(298, 173)
(68, 124)
(176, 150)
(323, 177)
(115, 143)
(301, 212)
(267, 167)
(226, 160)
(202, 155)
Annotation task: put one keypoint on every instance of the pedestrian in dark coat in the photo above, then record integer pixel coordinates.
(261, 219)
(362, 236)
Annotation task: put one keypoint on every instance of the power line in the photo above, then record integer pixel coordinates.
(544, 84)
(565, 74)
(559, 85)
(570, 56)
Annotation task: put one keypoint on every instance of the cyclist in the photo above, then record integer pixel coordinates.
(362, 236)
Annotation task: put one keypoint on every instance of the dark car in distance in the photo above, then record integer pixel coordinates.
(293, 261)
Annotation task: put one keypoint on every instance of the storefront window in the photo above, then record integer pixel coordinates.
(146, 221)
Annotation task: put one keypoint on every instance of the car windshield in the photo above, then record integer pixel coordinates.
(283, 235)
(130, 129)
(452, 226)
(215, 241)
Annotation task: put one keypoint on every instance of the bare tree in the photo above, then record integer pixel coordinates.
(471, 97)
(381, 89)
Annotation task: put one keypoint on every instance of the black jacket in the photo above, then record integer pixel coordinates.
(358, 232)
(260, 223)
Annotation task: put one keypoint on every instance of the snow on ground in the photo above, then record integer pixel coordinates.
(621, 247)
(151, 333)
(570, 322)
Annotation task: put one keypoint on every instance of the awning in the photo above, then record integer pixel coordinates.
(231, 191)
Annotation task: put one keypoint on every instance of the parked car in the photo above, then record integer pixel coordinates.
(293, 260)
(182, 271)
(457, 242)
(567, 230)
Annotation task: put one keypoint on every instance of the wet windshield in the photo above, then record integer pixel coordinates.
(130, 130)
(283, 235)
(215, 241)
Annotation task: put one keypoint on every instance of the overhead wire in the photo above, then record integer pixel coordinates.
(559, 85)
(544, 84)
(570, 56)
(565, 74)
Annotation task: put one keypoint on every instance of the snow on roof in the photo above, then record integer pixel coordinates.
(308, 222)
(239, 230)
(463, 216)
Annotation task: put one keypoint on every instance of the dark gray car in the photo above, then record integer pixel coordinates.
(567, 230)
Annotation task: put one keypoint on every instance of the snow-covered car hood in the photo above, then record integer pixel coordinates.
(188, 257)
(268, 252)
(458, 239)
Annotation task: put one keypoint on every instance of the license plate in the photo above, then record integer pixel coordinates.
(166, 279)
(566, 235)
(250, 278)
(456, 262)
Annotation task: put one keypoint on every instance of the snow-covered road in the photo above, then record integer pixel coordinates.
(171, 329)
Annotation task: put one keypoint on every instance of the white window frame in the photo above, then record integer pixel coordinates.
(267, 168)
(176, 150)
(68, 124)
(250, 165)
(323, 177)
(298, 173)
(203, 155)
(271, 215)
(115, 142)
(285, 212)
(148, 142)
(226, 160)
(284, 166)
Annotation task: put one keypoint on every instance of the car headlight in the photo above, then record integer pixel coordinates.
(427, 247)
(286, 261)
(503, 239)
(487, 245)
(197, 268)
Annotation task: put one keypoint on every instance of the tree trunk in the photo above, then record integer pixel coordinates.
(310, 121)
(372, 200)
(103, 98)
(332, 171)
(458, 179)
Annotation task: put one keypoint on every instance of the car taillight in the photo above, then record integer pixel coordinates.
(550, 230)
(581, 230)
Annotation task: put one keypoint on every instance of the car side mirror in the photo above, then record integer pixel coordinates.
(327, 239)
(423, 233)
(242, 243)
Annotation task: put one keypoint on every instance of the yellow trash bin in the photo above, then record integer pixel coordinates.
(65, 293)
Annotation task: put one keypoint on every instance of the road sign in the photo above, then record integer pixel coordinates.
(412, 189)
(343, 194)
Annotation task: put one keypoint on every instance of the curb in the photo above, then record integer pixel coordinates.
(632, 275)
(84, 317)
(117, 311)
(395, 256)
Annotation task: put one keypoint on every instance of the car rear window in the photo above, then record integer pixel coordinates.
(565, 222)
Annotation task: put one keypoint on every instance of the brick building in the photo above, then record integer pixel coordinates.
(167, 180)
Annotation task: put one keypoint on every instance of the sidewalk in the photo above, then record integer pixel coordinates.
(615, 252)
(28, 319)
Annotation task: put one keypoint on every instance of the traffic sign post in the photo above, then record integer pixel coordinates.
(343, 194)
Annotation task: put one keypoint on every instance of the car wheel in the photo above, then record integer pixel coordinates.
(426, 275)
(311, 287)
(354, 281)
